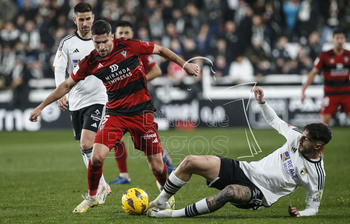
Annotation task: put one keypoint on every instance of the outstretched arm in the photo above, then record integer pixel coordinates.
(60, 73)
(308, 82)
(60, 91)
(190, 68)
(269, 114)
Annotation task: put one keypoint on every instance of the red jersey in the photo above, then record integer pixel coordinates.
(147, 62)
(123, 75)
(336, 72)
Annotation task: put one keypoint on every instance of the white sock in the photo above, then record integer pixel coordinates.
(198, 208)
(172, 185)
(86, 154)
(125, 175)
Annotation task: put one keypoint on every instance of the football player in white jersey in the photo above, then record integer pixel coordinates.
(87, 99)
(259, 183)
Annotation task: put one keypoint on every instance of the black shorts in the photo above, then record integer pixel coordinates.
(231, 173)
(86, 118)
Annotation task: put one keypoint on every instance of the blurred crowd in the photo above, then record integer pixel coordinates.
(245, 39)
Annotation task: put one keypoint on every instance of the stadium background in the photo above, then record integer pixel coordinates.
(269, 42)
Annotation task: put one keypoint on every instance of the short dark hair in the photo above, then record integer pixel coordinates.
(82, 7)
(123, 23)
(100, 27)
(319, 132)
(338, 31)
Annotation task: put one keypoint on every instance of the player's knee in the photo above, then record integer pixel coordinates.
(189, 163)
(97, 159)
(84, 145)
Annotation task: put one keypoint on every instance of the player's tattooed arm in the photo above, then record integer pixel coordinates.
(232, 193)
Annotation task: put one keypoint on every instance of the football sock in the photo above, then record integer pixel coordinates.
(94, 175)
(86, 154)
(87, 157)
(163, 176)
(172, 185)
(120, 155)
(198, 208)
(124, 175)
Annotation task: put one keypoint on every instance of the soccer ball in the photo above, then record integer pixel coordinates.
(135, 201)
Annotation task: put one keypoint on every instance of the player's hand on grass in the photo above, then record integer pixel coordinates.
(191, 69)
(35, 114)
(62, 103)
(259, 94)
(293, 211)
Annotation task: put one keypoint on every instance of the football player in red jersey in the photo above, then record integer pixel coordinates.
(124, 29)
(335, 65)
(129, 109)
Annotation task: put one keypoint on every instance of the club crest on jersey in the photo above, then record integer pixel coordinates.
(303, 172)
(339, 66)
(114, 67)
(124, 53)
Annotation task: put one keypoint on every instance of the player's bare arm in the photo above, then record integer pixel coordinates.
(59, 92)
(153, 73)
(190, 68)
(293, 211)
(308, 82)
(232, 193)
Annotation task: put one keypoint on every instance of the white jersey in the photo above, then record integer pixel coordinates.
(71, 51)
(284, 170)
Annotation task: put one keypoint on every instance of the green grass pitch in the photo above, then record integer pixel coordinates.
(42, 176)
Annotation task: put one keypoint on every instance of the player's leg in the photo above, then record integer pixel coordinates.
(144, 134)
(221, 173)
(106, 138)
(205, 166)
(120, 155)
(99, 154)
(233, 193)
(92, 116)
(158, 167)
(346, 105)
(329, 108)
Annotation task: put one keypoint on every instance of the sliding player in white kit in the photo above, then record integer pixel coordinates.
(259, 183)
(88, 98)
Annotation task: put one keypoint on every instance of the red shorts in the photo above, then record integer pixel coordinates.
(330, 104)
(142, 128)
